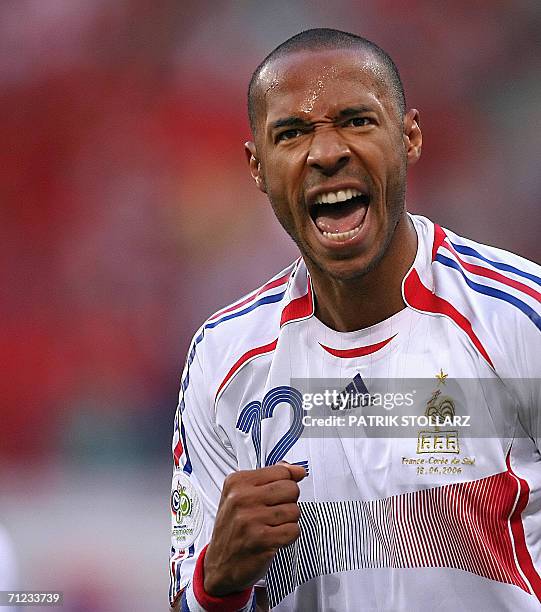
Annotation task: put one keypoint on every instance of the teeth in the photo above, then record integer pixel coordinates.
(337, 196)
(342, 236)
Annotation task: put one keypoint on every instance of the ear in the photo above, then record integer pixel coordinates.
(255, 165)
(413, 139)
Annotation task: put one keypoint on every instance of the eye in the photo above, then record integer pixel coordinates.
(288, 134)
(358, 122)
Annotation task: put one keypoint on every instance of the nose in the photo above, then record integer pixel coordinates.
(328, 152)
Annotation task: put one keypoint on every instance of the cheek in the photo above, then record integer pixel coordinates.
(278, 196)
(284, 181)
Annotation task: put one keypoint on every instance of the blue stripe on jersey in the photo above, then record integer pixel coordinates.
(183, 603)
(191, 356)
(534, 317)
(184, 385)
(177, 577)
(466, 250)
(269, 299)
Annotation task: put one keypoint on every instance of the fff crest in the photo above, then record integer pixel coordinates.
(439, 408)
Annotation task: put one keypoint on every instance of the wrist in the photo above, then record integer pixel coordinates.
(213, 583)
(231, 602)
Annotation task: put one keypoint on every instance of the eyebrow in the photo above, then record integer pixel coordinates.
(288, 122)
(294, 121)
(353, 110)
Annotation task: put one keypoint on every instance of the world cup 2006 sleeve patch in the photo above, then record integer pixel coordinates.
(186, 511)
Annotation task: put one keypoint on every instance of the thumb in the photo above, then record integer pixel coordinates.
(296, 472)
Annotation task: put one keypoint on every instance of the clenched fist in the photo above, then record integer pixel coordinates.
(257, 515)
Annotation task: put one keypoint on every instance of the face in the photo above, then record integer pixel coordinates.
(331, 151)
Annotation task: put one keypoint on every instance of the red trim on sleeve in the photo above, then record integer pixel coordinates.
(260, 350)
(517, 528)
(439, 237)
(178, 452)
(228, 603)
(299, 308)
(270, 285)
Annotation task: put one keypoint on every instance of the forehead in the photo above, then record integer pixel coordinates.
(308, 83)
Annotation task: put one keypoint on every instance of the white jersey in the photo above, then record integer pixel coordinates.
(425, 517)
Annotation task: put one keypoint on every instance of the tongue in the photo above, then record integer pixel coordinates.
(341, 217)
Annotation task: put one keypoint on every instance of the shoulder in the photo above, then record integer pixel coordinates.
(498, 263)
(498, 291)
(251, 323)
(252, 317)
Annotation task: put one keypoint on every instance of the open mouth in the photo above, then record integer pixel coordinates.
(339, 215)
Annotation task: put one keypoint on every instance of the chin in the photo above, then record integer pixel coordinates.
(346, 269)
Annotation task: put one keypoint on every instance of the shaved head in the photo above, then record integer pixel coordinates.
(321, 39)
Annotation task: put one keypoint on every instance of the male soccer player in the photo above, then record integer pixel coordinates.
(265, 514)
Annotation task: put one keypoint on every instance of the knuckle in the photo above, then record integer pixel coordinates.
(270, 489)
(235, 497)
(287, 513)
(292, 533)
(230, 481)
(264, 537)
(293, 490)
(243, 518)
(279, 515)
(275, 488)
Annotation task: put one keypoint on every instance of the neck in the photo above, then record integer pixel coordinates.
(349, 305)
